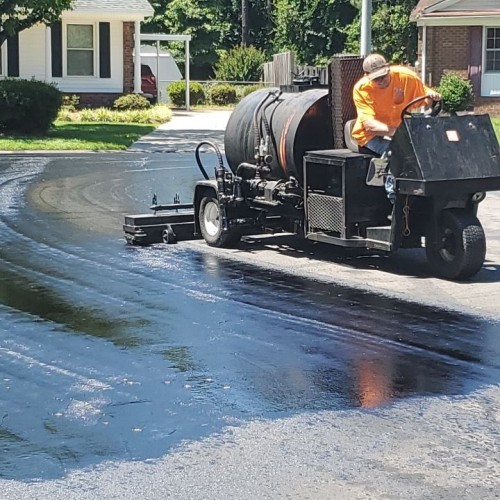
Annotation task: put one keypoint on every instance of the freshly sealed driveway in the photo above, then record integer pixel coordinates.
(188, 372)
(404, 275)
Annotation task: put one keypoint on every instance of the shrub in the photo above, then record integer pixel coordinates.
(248, 89)
(241, 64)
(154, 114)
(456, 92)
(70, 102)
(222, 93)
(28, 105)
(131, 101)
(177, 93)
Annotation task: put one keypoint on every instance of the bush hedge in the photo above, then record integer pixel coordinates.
(222, 94)
(131, 101)
(177, 93)
(248, 89)
(456, 92)
(241, 64)
(28, 106)
(153, 115)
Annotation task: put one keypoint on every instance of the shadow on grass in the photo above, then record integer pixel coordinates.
(78, 136)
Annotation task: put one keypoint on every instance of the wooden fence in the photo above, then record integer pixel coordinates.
(282, 70)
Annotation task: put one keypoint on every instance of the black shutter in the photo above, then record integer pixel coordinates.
(104, 50)
(56, 44)
(475, 58)
(13, 55)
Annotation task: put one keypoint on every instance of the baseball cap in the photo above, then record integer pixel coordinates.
(375, 66)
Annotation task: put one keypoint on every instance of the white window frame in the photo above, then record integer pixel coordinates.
(490, 80)
(95, 48)
(3, 61)
(486, 50)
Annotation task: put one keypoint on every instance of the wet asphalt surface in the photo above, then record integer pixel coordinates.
(113, 352)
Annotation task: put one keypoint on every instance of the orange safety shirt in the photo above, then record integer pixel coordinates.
(385, 105)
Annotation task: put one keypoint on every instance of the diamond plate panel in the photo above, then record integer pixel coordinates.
(325, 212)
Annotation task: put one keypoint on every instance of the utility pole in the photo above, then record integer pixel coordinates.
(244, 23)
(366, 27)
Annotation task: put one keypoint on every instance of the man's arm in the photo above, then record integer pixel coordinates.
(377, 127)
(435, 96)
(366, 115)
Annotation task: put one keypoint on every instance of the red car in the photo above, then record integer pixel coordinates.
(148, 84)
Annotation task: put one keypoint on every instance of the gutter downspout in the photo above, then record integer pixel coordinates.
(137, 58)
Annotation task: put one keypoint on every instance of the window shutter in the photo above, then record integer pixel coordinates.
(475, 57)
(13, 55)
(56, 45)
(104, 50)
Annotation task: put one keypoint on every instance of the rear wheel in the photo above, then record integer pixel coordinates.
(456, 250)
(211, 225)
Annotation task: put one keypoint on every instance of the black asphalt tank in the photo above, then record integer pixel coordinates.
(298, 122)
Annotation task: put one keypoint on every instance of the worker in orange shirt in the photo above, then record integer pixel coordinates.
(379, 97)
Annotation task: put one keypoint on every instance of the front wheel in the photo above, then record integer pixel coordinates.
(211, 225)
(457, 248)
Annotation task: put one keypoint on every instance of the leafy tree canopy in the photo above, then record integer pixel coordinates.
(215, 27)
(392, 32)
(312, 29)
(17, 15)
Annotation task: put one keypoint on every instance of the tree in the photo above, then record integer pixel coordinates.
(206, 22)
(244, 22)
(215, 27)
(392, 32)
(312, 29)
(18, 15)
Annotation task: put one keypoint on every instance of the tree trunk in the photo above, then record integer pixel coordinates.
(244, 23)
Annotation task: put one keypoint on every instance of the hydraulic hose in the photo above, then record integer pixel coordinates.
(198, 159)
(256, 128)
(263, 117)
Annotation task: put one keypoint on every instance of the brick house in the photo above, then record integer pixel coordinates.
(90, 52)
(462, 36)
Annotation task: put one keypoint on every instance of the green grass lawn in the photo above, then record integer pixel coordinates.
(496, 125)
(79, 136)
(93, 136)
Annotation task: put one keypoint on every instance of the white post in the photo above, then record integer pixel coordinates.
(366, 27)
(48, 54)
(187, 75)
(157, 71)
(137, 58)
(424, 53)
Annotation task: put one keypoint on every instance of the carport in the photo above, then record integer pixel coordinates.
(161, 38)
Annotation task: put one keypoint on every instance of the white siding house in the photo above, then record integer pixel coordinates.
(89, 52)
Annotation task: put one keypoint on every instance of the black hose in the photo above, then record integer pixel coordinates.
(198, 159)
(264, 119)
(256, 128)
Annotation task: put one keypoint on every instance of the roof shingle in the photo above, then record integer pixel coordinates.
(114, 5)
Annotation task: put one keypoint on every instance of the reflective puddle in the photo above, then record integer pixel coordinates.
(115, 352)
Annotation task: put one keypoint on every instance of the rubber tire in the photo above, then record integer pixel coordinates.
(458, 250)
(211, 228)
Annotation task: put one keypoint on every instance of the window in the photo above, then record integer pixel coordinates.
(493, 49)
(80, 50)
